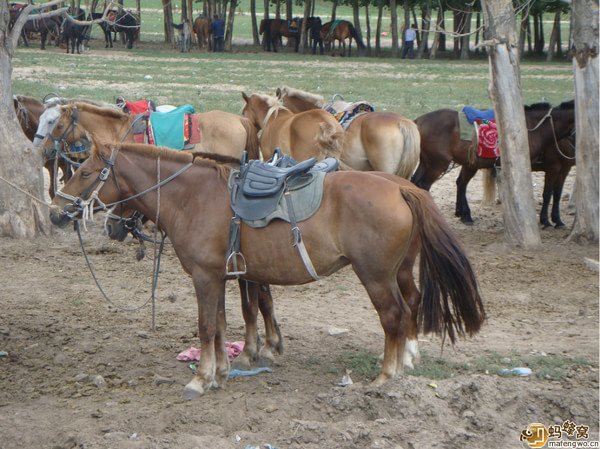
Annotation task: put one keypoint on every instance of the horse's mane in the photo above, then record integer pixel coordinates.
(223, 164)
(567, 105)
(544, 106)
(315, 99)
(274, 105)
(65, 101)
(85, 106)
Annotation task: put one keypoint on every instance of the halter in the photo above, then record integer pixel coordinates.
(556, 146)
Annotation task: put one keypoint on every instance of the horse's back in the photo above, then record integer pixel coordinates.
(222, 132)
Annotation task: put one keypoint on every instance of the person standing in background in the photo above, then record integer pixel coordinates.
(217, 27)
(409, 37)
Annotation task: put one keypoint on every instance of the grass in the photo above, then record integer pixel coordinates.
(551, 367)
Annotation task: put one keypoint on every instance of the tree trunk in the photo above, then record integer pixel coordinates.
(229, 32)
(394, 23)
(333, 9)
(585, 63)
(255, 36)
(378, 32)
(368, 22)
(20, 163)
(554, 36)
(438, 33)
(266, 8)
(168, 20)
(425, 24)
(523, 31)
(520, 224)
(304, 31)
(465, 30)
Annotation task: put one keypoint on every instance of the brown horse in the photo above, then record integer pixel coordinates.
(274, 29)
(308, 134)
(340, 30)
(549, 152)
(202, 31)
(28, 112)
(380, 140)
(195, 213)
(220, 132)
(254, 297)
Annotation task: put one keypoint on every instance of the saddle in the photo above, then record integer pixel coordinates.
(177, 129)
(345, 112)
(257, 193)
(257, 188)
(486, 136)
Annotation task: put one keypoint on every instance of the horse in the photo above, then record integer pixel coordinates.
(45, 26)
(340, 30)
(123, 220)
(308, 134)
(185, 35)
(128, 22)
(195, 214)
(74, 32)
(220, 132)
(547, 128)
(106, 25)
(379, 140)
(202, 30)
(28, 111)
(275, 29)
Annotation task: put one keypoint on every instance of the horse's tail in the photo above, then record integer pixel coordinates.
(450, 301)
(330, 141)
(411, 150)
(252, 146)
(489, 187)
(357, 37)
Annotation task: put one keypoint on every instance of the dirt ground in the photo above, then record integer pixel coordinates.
(80, 373)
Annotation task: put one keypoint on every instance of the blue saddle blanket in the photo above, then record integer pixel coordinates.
(473, 114)
(168, 127)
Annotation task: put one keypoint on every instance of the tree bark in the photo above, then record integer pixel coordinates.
(520, 224)
(168, 20)
(394, 23)
(425, 24)
(255, 36)
(585, 63)
(229, 29)
(304, 30)
(554, 37)
(378, 32)
(20, 163)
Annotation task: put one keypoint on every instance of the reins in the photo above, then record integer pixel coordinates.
(556, 146)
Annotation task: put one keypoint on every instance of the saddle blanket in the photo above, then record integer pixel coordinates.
(486, 134)
(345, 113)
(177, 129)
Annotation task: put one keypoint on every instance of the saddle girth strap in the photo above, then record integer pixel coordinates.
(298, 242)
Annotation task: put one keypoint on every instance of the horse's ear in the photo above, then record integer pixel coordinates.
(278, 92)
(245, 97)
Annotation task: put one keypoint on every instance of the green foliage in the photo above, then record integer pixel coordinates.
(361, 362)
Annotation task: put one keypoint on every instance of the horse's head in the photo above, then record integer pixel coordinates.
(93, 181)
(258, 108)
(57, 123)
(297, 100)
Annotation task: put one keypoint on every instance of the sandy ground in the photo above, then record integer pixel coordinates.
(81, 373)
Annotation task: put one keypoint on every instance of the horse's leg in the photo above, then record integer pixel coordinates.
(462, 205)
(221, 356)
(43, 36)
(411, 295)
(274, 340)
(546, 197)
(210, 294)
(558, 189)
(249, 297)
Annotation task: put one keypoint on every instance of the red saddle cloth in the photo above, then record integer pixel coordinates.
(487, 139)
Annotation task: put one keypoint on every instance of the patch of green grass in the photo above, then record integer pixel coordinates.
(361, 362)
(76, 302)
(551, 367)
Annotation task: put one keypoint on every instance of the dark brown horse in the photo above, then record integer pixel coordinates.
(549, 149)
(274, 29)
(28, 112)
(202, 30)
(195, 213)
(340, 30)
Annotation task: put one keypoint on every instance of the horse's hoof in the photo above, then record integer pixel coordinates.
(466, 220)
(193, 390)
(380, 380)
(241, 363)
(561, 226)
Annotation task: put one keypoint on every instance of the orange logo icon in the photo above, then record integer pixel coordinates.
(536, 435)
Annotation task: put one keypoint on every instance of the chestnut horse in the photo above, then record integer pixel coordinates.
(255, 297)
(202, 30)
(340, 30)
(221, 132)
(309, 134)
(550, 151)
(379, 140)
(28, 112)
(195, 213)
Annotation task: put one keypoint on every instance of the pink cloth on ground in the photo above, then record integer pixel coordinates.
(233, 350)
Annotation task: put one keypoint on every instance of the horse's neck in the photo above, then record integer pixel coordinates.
(300, 105)
(101, 125)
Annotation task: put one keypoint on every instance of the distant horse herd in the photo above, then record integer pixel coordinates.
(369, 197)
(73, 34)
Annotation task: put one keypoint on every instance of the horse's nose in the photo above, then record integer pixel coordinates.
(58, 217)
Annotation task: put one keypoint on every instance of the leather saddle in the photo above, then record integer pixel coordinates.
(257, 187)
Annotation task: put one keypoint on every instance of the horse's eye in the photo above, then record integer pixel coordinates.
(59, 126)
(86, 174)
